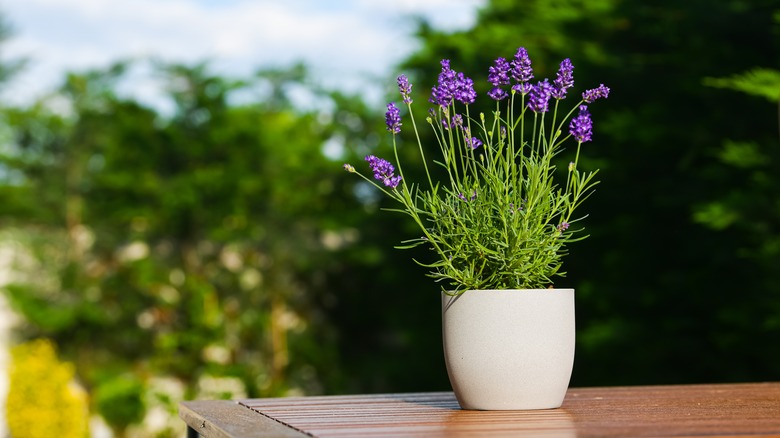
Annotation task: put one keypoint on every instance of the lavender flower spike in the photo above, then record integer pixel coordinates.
(498, 76)
(383, 171)
(601, 92)
(442, 93)
(405, 88)
(581, 127)
(452, 86)
(564, 80)
(393, 118)
(464, 92)
(522, 71)
(539, 97)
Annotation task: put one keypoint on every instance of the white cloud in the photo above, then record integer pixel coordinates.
(346, 39)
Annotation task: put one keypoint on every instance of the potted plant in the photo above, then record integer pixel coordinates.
(499, 222)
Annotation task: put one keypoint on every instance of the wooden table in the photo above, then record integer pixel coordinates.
(748, 409)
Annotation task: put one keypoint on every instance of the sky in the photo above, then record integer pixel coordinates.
(350, 44)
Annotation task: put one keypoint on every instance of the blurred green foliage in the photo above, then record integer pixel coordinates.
(120, 401)
(220, 241)
(188, 246)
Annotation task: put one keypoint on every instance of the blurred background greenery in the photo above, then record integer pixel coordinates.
(221, 250)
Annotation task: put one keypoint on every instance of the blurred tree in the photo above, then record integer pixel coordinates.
(750, 209)
(7, 67)
(194, 247)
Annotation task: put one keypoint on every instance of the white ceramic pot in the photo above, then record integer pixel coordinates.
(509, 349)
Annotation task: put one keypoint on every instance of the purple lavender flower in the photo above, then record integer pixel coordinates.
(405, 88)
(383, 171)
(498, 75)
(452, 86)
(539, 97)
(563, 226)
(457, 120)
(498, 93)
(393, 118)
(522, 71)
(465, 90)
(472, 142)
(601, 92)
(564, 80)
(463, 197)
(442, 93)
(581, 127)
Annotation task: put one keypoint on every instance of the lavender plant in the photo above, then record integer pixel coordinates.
(500, 219)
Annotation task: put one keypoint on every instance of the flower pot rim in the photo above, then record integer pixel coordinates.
(513, 291)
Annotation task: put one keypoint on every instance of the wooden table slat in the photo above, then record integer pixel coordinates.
(228, 419)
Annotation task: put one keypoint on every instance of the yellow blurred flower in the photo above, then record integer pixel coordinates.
(43, 397)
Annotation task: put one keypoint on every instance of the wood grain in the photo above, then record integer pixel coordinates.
(678, 410)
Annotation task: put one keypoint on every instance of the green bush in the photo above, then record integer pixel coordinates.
(120, 401)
